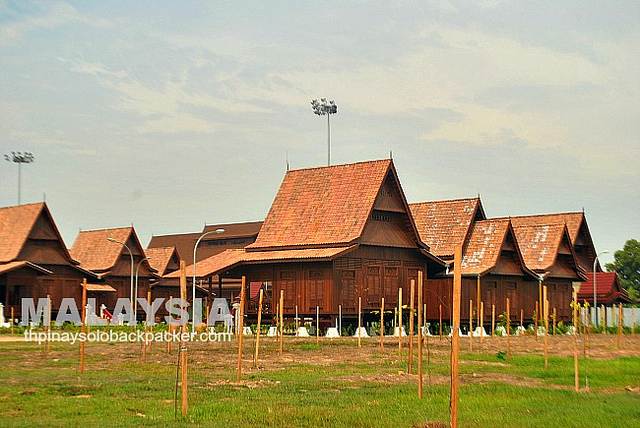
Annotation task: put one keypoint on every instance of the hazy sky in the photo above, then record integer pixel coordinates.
(170, 115)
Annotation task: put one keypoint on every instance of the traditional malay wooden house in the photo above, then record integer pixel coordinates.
(548, 251)
(112, 261)
(333, 235)
(34, 261)
(492, 265)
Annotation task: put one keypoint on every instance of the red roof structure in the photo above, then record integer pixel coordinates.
(608, 289)
(163, 259)
(95, 252)
(444, 224)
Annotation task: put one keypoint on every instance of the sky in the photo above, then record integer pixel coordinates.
(171, 115)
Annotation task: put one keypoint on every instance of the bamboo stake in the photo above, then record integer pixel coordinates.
(546, 329)
(382, 325)
(508, 331)
(183, 345)
(575, 339)
(440, 322)
(633, 320)
(455, 328)
(170, 335)
(241, 326)
(493, 320)
(471, 325)
(619, 325)
(317, 325)
(149, 320)
(255, 356)
(281, 319)
(603, 315)
(400, 322)
(340, 319)
(420, 326)
(359, 321)
(479, 300)
(296, 320)
(536, 319)
(521, 319)
(48, 345)
(481, 322)
(84, 321)
(12, 320)
(411, 306)
(555, 320)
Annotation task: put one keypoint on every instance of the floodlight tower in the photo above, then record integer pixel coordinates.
(19, 158)
(321, 108)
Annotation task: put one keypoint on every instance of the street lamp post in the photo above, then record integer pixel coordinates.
(321, 108)
(19, 158)
(595, 297)
(135, 311)
(195, 249)
(130, 255)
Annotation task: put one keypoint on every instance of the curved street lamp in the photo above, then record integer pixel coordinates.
(321, 108)
(135, 311)
(195, 249)
(595, 297)
(130, 255)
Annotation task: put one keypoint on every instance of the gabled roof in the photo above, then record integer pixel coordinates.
(16, 224)
(572, 220)
(608, 289)
(540, 244)
(234, 230)
(443, 225)
(232, 258)
(11, 266)
(325, 206)
(485, 244)
(160, 257)
(95, 252)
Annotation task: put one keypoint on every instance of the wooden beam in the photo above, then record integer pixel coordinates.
(455, 332)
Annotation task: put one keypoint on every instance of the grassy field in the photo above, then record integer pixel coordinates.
(331, 384)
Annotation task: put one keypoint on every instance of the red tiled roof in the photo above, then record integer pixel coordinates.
(323, 206)
(572, 220)
(95, 252)
(484, 246)
(8, 267)
(608, 289)
(234, 230)
(539, 244)
(100, 287)
(15, 225)
(231, 258)
(160, 257)
(445, 224)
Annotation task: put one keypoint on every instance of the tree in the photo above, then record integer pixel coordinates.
(627, 263)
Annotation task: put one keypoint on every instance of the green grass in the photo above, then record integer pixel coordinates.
(331, 384)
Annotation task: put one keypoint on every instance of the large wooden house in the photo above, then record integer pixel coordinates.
(34, 261)
(112, 261)
(334, 236)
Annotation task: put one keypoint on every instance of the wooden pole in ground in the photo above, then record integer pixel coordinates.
(170, 331)
(296, 320)
(479, 300)
(455, 329)
(12, 320)
(481, 322)
(340, 319)
(411, 306)
(619, 325)
(539, 308)
(471, 325)
(281, 319)
(48, 345)
(493, 320)
(521, 319)
(536, 320)
(420, 324)
(84, 321)
(508, 328)
(149, 319)
(545, 314)
(146, 329)
(440, 322)
(317, 325)
(555, 320)
(359, 321)
(241, 327)
(382, 325)
(603, 315)
(400, 322)
(633, 320)
(575, 339)
(255, 356)
(183, 344)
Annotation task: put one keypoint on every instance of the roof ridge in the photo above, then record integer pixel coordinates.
(446, 200)
(340, 165)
